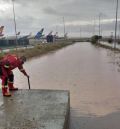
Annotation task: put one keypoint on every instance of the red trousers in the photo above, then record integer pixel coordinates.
(6, 76)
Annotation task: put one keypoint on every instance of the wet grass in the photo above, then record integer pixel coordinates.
(37, 50)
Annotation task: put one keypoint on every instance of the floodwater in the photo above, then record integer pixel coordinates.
(92, 76)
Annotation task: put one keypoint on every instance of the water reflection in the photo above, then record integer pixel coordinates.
(90, 73)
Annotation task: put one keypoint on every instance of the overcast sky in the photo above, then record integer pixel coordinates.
(80, 16)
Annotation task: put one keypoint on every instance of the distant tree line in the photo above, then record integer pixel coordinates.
(95, 39)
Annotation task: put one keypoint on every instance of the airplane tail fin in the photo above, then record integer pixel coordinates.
(66, 35)
(56, 34)
(39, 34)
(50, 33)
(18, 33)
(1, 30)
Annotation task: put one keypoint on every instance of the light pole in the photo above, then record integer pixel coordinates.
(116, 25)
(80, 32)
(94, 27)
(15, 24)
(99, 25)
(111, 35)
(64, 26)
(119, 32)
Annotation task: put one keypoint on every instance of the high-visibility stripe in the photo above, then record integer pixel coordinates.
(5, 86)
(10, 82)
(6, 66)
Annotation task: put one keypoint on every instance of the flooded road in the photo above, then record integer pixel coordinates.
(91, 75)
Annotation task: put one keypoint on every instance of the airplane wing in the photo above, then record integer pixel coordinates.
(24, 37)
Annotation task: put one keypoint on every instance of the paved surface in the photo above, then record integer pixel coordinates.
(35, 109)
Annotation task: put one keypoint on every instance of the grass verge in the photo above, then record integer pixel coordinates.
(37, 50)
(107, 47)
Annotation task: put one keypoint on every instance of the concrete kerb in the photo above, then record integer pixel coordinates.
(35, 109)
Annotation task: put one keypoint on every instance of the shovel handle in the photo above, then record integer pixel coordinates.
(29, 83)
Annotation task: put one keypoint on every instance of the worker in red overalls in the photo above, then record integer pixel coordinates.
(7, 64)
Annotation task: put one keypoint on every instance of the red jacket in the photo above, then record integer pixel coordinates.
(11, 62)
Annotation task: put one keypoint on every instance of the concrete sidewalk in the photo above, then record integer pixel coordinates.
(35, 109)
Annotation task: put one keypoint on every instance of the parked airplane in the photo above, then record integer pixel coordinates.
(54, 35)
(39, 35)
(29, 36)
(6, 37)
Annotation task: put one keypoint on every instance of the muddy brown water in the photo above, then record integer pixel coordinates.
(92, 76)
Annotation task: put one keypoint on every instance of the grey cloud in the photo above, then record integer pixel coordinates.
(82, 9)
(51, 11)
(31, 15)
